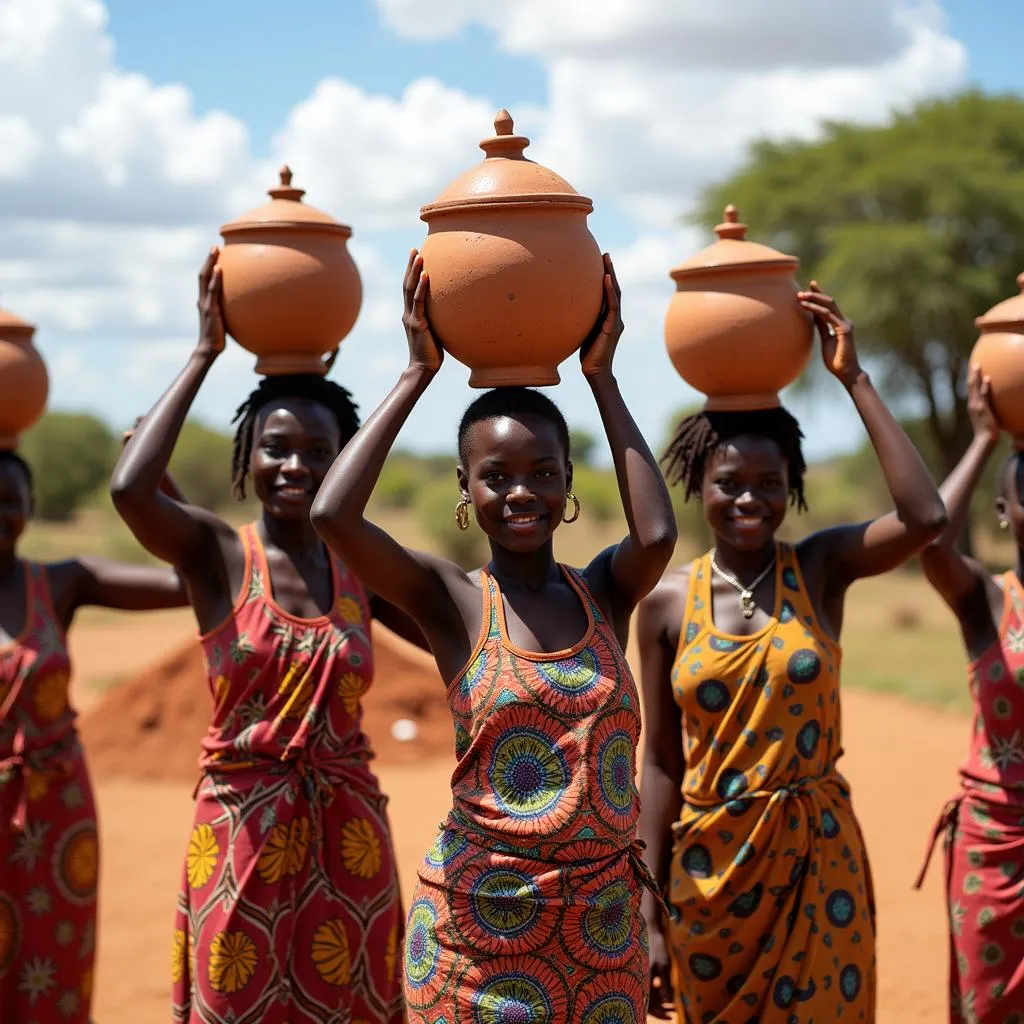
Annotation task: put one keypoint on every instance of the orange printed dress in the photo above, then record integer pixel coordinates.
(772, 912)
(527, 908)
(48, 847)
(289, 910)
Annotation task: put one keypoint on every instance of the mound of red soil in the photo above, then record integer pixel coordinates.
(150, 727)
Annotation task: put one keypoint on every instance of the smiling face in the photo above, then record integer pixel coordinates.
(15, 505)
(745, 491)
(516, 475)
(295, 440)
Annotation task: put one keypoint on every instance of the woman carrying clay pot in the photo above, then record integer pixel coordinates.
(49, 849)
(289, 910)
(749, 826)
(528, 902)
(984, 822)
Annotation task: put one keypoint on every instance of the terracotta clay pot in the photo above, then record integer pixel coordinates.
(734, 329)
(291, 288)
(515, 274)
(1000, 354)
(24, 383)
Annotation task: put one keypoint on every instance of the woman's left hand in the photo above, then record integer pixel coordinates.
(837, 347)
(599, 349)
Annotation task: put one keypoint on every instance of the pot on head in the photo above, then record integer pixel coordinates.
(734, 329)
(24, 382)
(516, 278)
(999, 352)
(291, 288)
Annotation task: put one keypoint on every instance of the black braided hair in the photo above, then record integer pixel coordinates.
(311, 386)
(513, 402)
(700, 434)
(14, 459)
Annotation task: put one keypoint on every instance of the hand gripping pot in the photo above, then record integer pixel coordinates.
(24, 382)
(734, 329)
(1000, 354)
(291, 288)
(516, 278)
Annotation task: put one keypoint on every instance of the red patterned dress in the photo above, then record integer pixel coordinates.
(49, 855)
(528, 904)
(984, 835)
(289, 911)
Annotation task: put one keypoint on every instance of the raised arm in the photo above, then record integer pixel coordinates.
(103, 583)
(166, 527)
(404, 578)
(659, 618)
(955, 576)
(637, 562)
(168, 485)
(851, 552)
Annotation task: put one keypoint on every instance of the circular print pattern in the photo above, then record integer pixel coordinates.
(840, 908)
(422, 953)
(696, 861)
(804, 666)
(446, 856)
(76, 863)
(502, 910)
(528, 773)
(570, 678)
(599, 928)
(509, 990)
(613, 997)
(10, 933)
(615, 741)
(849, 982)
(713, 695)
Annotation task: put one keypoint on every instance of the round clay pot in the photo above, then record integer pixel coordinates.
(516, 278)
(734, 328)
(1000, 354)
(24, 383)
(291, 288)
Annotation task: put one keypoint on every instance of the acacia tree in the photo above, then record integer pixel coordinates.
(916, 226)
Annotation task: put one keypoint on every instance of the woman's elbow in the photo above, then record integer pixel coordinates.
(933, 524)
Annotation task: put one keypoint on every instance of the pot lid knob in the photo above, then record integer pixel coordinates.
(285, 190)
(504, 143)
(731, 226)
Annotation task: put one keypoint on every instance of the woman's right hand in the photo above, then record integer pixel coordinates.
(979, 406)
(211, 310)
(425, 353)
(661, 999)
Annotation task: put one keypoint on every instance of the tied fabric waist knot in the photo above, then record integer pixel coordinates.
(24, 766)
(945, 823)
(645, 875)
(797, 787)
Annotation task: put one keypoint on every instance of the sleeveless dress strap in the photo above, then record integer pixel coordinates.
(698, 596)
(31, 588)
(490, 623)
(1014, 597)
(257, 572)
(796, 594)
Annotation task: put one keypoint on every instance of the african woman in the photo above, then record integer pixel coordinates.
(49, 849)
(289, 909)
(748, 824)
(984, 822)
(527, 906)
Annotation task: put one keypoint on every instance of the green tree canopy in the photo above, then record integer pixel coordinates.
(916, 227)
(71, 455)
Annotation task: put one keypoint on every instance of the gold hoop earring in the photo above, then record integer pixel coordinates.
(462, 514)
(576, 511)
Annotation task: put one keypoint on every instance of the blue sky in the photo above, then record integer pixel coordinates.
(168, 119)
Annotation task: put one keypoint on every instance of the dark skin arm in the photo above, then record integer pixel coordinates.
(79, 582)
(420, 585)
(625, 573)
(168, 485)
(659, 619)
(963, 584)
(833, 559)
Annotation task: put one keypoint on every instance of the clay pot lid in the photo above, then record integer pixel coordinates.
(732, 250)
(13, 326)
(506, 177)
(286, 210)
(1006, 315)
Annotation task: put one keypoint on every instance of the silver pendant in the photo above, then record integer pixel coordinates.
(747, 604)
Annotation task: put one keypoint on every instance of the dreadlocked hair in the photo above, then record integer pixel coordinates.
(700, 434)
(310, 386)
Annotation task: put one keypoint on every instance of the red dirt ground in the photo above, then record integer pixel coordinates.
(142, 735)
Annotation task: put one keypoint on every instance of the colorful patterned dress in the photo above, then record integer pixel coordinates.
(49, 855)
(528, 904)
(772, 911)
(289, 911)
(984, 835)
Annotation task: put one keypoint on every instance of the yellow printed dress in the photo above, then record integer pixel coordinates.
(772, 910)
(289, 910)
